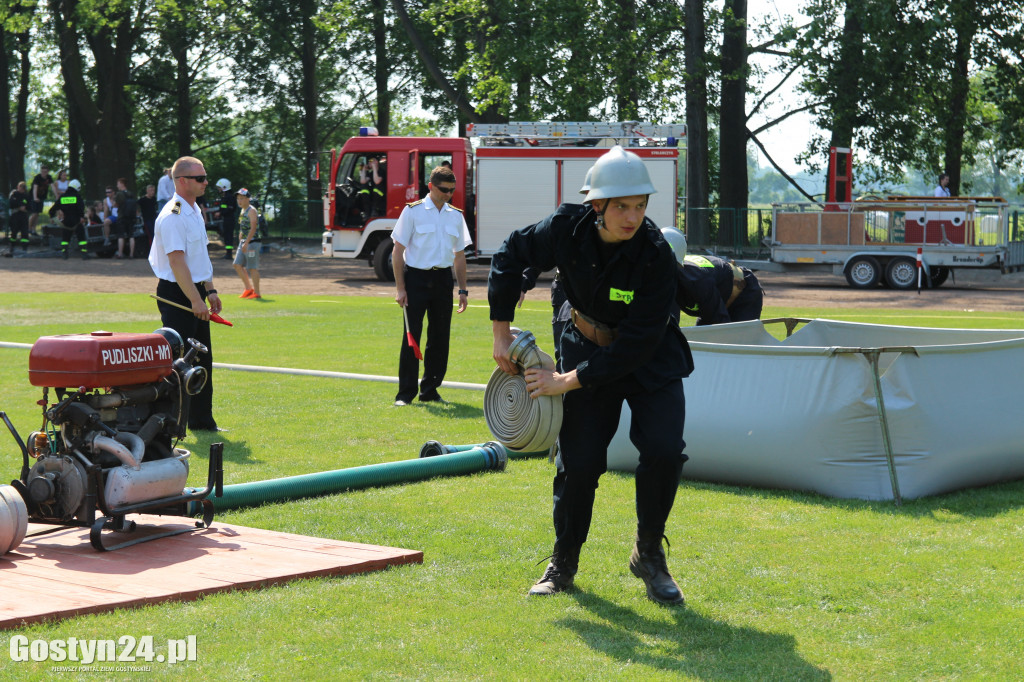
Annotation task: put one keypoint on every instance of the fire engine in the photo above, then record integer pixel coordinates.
(515, 175)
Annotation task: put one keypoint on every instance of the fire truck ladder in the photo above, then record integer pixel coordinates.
(668, 133)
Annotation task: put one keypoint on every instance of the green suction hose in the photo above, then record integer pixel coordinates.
(433, 448)
(477, 458)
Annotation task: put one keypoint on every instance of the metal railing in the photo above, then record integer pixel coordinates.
(746, 227)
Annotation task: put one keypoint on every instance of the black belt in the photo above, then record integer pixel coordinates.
(436, 267)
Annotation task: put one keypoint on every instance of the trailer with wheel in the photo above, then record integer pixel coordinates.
(900, 241)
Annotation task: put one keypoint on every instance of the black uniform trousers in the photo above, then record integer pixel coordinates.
(590, 418)
(430, 293)
(200, 413)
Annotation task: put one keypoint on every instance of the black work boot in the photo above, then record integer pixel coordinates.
(648, 563)
(559, 574)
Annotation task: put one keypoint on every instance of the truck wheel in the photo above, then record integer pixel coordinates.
(863, 272)
(382, 261)
(901, 273)
(940, 274)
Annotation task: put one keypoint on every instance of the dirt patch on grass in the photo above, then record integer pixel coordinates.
(285, 271)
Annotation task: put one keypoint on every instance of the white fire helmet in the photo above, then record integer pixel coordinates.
(75, 184)
(224, 184)
(619, 173)
(677, 240)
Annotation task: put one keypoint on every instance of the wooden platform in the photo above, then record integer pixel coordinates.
(59, 575)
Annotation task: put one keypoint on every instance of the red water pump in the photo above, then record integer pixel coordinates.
(108, 442)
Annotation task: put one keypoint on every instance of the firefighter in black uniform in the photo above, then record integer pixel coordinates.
(227, 209)
(70, 210)
(711, 289)
(618, 274)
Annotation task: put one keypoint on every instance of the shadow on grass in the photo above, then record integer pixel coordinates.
(694, 645)
(453, 410)
(235, 452)
(985, 501)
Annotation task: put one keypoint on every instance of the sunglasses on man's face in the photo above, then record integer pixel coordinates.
(197, 178)
(444, 190)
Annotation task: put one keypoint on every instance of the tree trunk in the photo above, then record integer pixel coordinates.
(105, 122)
(697, 224)
(310, 91)
(627, 95)
(382, 67)
(13, 133)
(732, 193)
(178, 44)
(847, 85)
(956, 116)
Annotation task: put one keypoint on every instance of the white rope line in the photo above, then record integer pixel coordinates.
(300, 372)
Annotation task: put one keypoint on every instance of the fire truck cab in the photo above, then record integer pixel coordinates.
(517, 174)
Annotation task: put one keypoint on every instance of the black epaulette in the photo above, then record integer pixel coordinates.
(177, 208)
(415, 203)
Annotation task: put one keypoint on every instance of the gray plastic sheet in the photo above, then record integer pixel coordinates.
(802, 414)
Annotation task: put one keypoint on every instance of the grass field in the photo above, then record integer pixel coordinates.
(779, 585)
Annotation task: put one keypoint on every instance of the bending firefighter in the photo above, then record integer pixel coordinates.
(711, 289)
(623, 345)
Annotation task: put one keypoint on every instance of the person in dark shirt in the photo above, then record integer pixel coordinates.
(622, 346)
(39, 191)
(18, 204)
(149, 207)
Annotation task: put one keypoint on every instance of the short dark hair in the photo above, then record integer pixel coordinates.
(441, 174)
(943, 176)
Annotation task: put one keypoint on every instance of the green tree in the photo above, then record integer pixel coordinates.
(98, 89)
(15, 70)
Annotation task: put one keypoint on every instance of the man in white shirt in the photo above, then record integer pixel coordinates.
(165, 188)
(430, 241)
(180, 259)
(942, 190)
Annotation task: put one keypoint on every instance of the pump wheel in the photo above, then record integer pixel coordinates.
(901, 273)
(382, 260)
(863, 272)
(13, 519)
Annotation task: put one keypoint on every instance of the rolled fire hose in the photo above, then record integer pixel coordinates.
(433, 448)
(517, 421)
(480, 458)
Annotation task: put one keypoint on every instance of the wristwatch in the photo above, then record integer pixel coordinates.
(463, 292)
(210, 291)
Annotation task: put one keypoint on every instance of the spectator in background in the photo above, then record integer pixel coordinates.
(127, 216)
(18, 203)
(60, 185)
(164, 188)
(94, 214)
(109, 215)
(247, 259)
(40, 189)
(942, 189)
(149, 207)
(227, 209)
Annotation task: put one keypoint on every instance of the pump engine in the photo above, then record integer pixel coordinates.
(108, 442)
